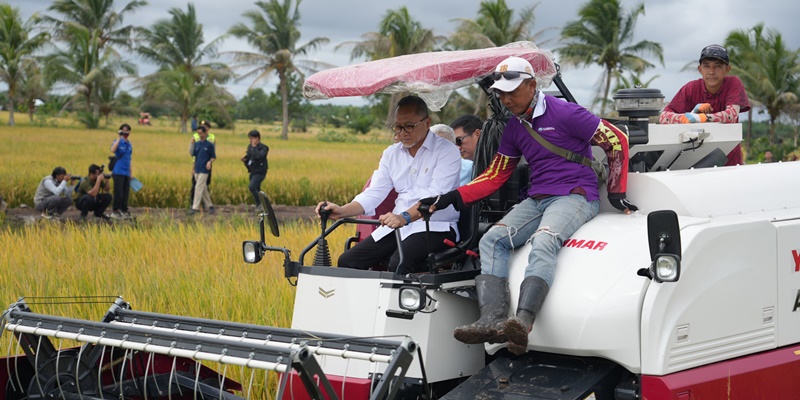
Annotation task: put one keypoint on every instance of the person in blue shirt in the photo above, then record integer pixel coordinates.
(122, 172)
(204, 155)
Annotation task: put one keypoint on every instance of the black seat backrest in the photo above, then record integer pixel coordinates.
(469, 236)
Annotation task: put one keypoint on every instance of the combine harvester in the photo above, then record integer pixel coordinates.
(694, 297)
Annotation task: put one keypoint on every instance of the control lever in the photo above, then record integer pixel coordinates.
(322, 257)
(425, 210)
(468, 252)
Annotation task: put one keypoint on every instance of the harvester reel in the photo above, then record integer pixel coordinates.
(63, 376)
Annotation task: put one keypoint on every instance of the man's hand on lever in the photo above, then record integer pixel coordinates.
(441, 202)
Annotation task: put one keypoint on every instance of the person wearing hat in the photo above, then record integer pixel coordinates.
(52, 196)
(563, 195)
(196, 138)
(715, 97)
(122, 173)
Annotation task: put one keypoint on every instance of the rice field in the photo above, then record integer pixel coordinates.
(302, 170)
(158, 264)
(188, 269)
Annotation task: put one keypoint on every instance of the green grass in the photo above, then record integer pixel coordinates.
(302, 170)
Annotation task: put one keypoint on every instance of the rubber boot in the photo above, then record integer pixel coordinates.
(493, 300)
(532, 292)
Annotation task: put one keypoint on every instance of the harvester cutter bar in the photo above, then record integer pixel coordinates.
(274, 349)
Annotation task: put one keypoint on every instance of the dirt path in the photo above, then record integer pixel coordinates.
(26, 215)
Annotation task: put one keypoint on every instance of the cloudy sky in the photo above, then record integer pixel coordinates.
(683, 27)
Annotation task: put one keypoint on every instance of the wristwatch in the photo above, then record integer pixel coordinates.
(407, 217)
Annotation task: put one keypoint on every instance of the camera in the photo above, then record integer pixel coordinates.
(102, 169)
(74, 178)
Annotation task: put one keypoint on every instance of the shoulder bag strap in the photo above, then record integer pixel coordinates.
(569, 155)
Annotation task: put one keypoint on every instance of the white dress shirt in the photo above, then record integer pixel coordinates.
(434, 170)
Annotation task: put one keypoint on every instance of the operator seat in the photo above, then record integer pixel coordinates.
(469, 233)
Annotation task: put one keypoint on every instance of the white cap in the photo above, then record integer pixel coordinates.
(512, 64)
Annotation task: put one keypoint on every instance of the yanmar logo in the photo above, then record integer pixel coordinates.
(546, 128)
(796, 260)
(585, 244)
(327, 294)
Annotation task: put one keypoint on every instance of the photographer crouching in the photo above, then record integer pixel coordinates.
(52, 196)
(90, 194)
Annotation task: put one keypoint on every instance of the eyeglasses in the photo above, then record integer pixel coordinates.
(408, 128)
(508, 75)
(460, 139)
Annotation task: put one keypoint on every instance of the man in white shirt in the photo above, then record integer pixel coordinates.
(420, 165)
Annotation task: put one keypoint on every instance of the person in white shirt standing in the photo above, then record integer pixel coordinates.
(420, 165)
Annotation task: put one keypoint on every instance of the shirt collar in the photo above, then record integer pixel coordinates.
(539, 106)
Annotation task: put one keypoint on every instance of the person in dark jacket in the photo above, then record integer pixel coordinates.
(255, 159)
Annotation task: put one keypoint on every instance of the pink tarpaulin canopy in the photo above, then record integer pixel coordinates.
(433, 76)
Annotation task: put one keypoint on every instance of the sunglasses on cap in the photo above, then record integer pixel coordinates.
(509, 75)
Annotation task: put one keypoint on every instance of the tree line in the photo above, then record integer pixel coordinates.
(80, 44)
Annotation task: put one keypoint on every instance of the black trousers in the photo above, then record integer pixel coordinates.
(98, 204)
(122, 189)
(368, 252)
(255, 185)
(194, 183)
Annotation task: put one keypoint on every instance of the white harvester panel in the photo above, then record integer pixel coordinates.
(788, 309)
(358, 307)
(723, 305)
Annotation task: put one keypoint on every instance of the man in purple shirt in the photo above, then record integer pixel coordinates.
(563, 195)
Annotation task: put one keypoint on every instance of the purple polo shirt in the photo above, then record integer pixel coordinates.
(566, 125)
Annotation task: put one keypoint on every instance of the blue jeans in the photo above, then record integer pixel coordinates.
(546, 223)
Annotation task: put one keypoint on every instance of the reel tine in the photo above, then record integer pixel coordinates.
(58, 376)
(122, 375)
(8, 358)
(100, 371)
(250, 385)
(16, 367)
(222, 379)
(111, 363)
(133, 373)
(146, 369)
(151, 361)
(171, 375)
(196, 377)
(36, 366)
(77, 374)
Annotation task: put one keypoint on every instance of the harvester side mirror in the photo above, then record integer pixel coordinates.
(269, 215)
(664, 238)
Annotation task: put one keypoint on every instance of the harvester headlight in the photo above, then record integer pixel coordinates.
(667, 268)
(412, 298)
(252, 251)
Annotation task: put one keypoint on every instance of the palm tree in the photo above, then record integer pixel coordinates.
(91, 30)
(274, 33)
(84, 65)
(98, 16)
(398, 34)
(17, 45)
(178, 47)
(495, 26)
(769, 71)
(32, 87)
(603, 36)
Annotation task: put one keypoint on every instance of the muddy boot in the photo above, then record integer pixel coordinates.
(493, 302)
(532, 292)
